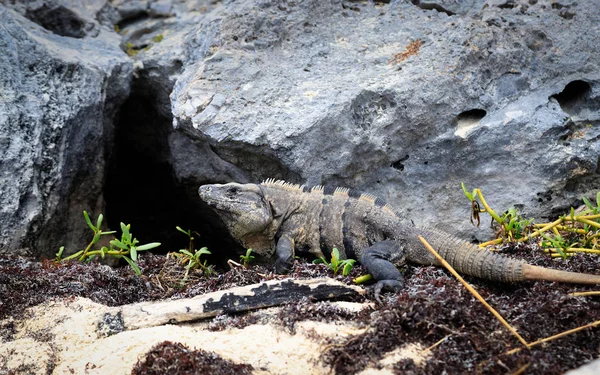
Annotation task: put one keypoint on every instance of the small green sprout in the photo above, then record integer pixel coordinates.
(558, 244)
(193, 260)
(591, 209)
(470, 196)
(191, 256)
(247, 258)
(59, 254)
(336, 263)
(515, 226)
(127, 247)
(158, 38)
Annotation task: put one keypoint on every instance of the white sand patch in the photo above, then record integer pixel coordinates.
(413, 351)
(25, 356)
(63, 334)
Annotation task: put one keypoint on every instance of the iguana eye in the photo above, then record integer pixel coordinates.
(232, 191)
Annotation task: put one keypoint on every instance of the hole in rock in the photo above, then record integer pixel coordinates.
(544, 196)
(467, 120)
(508, 5)
(59, 20)
(133, 17)
(429, 5)
(141, 188)
(399, 164)
(573, 95)
(473, 115)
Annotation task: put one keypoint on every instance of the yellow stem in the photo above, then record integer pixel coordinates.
(362, 279)
(589, 217)
(492, 242)
(488, 209)
(583, 250)
(557, 255)
(589, 222)
(110, 252)
(571, 229)
(537, 232)
(573, 250)
(521, 369)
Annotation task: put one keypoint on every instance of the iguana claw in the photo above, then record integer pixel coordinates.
(282, 267)
(391, 285)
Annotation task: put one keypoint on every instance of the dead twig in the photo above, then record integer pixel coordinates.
(521, 369)
(582, 294)
(435, 345)
(233, 264)
(558, 335)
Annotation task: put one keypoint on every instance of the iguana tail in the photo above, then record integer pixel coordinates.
(540, 273)
(469, 259)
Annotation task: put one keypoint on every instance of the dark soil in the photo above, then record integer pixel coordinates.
(177, 359)
(432, 306)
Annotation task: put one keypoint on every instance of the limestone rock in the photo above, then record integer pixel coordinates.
(402, 101)
(60, 87)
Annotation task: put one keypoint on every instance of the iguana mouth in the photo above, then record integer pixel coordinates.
(221, 205)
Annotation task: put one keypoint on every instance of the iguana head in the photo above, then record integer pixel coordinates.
(246, 213)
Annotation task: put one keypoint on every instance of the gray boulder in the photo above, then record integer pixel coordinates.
(403, 101)
(62, 79)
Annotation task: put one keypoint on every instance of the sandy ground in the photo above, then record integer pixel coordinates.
(59, 337)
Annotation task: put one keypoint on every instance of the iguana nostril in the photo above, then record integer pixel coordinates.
(204, 190)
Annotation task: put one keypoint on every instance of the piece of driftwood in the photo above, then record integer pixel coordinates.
(251, 297)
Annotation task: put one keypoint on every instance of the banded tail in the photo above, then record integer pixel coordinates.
(469, 259)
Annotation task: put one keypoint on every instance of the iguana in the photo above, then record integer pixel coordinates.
(276, 218)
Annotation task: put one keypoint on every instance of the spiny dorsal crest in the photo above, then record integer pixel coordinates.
(320, 189)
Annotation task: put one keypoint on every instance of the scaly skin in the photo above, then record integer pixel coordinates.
(276, 218)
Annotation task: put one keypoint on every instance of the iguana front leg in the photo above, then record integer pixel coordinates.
(285, 254)
(379, 259)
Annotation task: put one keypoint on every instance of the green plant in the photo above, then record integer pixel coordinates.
(557, 243)
(247, 258)
(336, 263)
(590, 207)
(514, 225)
(127, 247)
(191, 256)
(158, 38)
(576, 232)
(193, 260)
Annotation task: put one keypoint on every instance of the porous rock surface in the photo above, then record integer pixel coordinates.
(62, 79)
(501, 95)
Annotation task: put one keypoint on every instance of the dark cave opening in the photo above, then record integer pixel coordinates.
(141, 188)
(59, 20)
